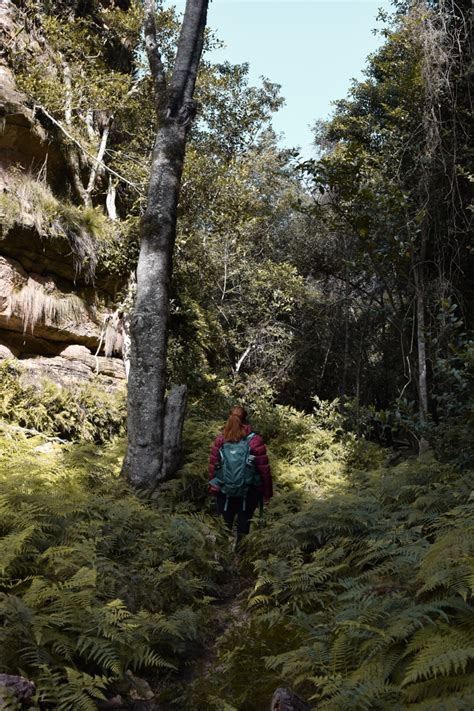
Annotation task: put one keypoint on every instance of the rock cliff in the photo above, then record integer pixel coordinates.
(52, 306)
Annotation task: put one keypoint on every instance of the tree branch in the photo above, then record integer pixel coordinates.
(244, 355)
(68, 93)
(7, 427)
(154, 57)
(195, 59)
(100, 155)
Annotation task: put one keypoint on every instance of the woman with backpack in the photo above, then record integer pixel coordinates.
(239, 472)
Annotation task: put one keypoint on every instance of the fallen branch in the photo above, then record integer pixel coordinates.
(28, 430)
(84, 150)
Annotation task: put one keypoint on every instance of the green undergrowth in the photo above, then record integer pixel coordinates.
(96, 583)
(362, 582)
(83, 413)
(356, 592)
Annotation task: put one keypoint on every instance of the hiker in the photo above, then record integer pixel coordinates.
(239, 472)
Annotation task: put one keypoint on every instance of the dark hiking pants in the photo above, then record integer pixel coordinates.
(235, 509)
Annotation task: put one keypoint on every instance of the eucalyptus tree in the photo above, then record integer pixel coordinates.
(394, 178)
(153, 428)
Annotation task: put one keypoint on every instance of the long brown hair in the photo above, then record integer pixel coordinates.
(234, 428)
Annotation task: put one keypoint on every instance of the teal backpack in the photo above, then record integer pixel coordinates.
(236, 472)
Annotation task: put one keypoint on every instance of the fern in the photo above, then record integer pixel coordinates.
(359, 588)
(372, 573)
(94, 581)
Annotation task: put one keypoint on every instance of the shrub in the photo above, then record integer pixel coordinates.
(363, 593)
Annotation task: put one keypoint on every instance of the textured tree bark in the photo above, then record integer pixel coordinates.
(145, 464)
(285, 700)
(422, 358)
(175, 408)
(419, 279)
(421, 342)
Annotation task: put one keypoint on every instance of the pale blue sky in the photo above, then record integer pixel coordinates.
(313, 48)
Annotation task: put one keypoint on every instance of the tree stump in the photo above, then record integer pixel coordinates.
(285, 700)
(175, 410)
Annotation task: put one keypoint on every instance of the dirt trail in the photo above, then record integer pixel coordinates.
(228, 611)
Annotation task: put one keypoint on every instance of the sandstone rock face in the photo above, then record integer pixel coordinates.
(79, 353)
(113, 367)
(24, 141)
(35, 304)
(5, 352)
(48, 313)
(67, 371)
(57, 369)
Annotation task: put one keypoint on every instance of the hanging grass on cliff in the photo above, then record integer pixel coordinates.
(30, 202)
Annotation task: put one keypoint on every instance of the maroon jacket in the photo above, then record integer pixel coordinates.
(258, 449)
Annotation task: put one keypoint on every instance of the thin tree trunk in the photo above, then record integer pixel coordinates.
(326, 358)
(98, 161)
(346, 337)
(421, 342)
(240, 361)
(67, 93)
(421, 335)
(74, 164)
(144, 464)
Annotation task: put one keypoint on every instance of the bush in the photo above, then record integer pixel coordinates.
(452, 436)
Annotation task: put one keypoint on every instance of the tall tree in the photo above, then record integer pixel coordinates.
(150, 422)
(394, 212)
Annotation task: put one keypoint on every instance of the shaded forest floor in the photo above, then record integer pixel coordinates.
(228, 611)
(357, 592)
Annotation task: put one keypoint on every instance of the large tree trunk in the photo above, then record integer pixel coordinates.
(149, 323)
(144, 464)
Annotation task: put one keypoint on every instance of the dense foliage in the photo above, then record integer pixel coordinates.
(347, 276)
(78, 413)
(333, 298)
(95, 583)
(357, 592)
(392, 219)
(362, 583)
